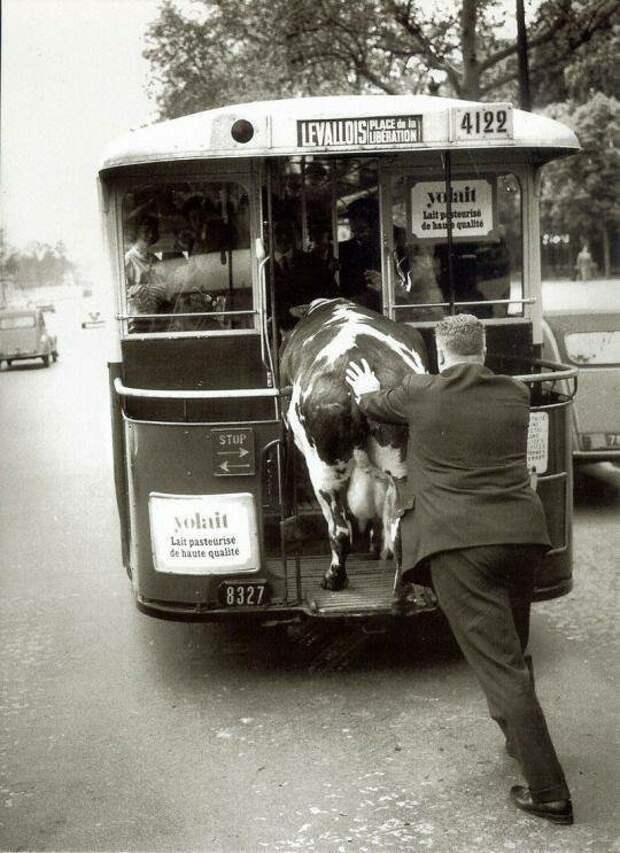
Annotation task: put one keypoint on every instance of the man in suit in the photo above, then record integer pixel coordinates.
(359, 258)
(473, 526)
(300, 277)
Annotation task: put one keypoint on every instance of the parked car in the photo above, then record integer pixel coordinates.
(24, 334)
(583, 329)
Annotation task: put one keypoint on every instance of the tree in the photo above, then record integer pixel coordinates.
(38, 265)
(8, 267)
(581, 194)
(582, 58)
(236, 50)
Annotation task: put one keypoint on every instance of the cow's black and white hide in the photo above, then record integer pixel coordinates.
(351, 460)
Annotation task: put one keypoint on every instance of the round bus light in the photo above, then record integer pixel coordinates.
(242, 130)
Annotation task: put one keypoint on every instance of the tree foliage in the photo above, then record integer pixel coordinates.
(581, 58)
(38, 265)
(227, 51)
(581, 194)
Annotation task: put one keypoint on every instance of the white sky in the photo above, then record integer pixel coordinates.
(73, 79)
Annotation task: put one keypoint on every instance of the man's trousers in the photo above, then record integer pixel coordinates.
(485, 594)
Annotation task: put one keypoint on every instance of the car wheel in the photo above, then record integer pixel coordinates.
(8, 362)
(47, 360)
(55, 356)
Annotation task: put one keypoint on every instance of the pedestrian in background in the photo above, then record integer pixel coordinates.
(474, 529)
(584, 264)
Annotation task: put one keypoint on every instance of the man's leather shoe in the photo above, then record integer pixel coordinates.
(557, 811)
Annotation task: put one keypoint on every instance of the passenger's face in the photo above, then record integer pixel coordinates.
(361, 229)
(283, 241)
(185, 240)
(147, 235)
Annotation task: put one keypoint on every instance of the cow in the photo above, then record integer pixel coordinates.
(351, 461)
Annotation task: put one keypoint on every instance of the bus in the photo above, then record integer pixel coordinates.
(415, 206)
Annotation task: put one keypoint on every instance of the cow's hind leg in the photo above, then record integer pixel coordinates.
(323, 435)
(334, 509)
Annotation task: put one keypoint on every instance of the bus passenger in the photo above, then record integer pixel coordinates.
(146, 290)
(199, 277)
(359, 259)
(299, 276)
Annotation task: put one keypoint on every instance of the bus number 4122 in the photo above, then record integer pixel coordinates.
(485, 121)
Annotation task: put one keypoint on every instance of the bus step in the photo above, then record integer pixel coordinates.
(370, 588)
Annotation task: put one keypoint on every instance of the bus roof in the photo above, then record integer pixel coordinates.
(334, 125)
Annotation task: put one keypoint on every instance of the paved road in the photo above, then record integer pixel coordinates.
(125, 733)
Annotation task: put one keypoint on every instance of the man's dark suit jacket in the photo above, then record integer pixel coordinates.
(354, 259)
(467, 482)
(301, 279)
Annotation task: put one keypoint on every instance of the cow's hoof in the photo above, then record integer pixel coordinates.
(334, 582)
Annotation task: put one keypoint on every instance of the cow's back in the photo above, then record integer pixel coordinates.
(337, 331)
(314, 362)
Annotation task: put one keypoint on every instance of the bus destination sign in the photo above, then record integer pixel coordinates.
(342, 132)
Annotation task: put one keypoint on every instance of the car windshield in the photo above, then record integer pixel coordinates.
(18, 321)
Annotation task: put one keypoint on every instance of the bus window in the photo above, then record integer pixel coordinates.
(486, 266)
(330, 207)
(187, 252)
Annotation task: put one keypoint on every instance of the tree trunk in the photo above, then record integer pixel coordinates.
(606, 252)
(471, 71)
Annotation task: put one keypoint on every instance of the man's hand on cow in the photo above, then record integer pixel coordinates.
(361, 378)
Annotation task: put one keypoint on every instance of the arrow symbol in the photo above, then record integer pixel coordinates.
(240, 453)
(226, 465)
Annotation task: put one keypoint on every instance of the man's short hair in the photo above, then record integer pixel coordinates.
(462, 334)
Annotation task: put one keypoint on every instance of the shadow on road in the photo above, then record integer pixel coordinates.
(23, 366)
(301, 650)
(597, 486)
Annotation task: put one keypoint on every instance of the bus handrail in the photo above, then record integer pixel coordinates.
(558, 372)
(170, 394)
(552, 372)
(191, 314)
(399, 305)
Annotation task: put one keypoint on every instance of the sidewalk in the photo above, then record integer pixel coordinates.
(595, 295)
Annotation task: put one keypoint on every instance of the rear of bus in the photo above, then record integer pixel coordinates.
(210, 491)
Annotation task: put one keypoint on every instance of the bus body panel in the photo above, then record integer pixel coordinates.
(182, 460)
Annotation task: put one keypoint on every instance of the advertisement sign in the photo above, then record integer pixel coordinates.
(538, 442)
(473, 210)
(376, 130)
(203, 534)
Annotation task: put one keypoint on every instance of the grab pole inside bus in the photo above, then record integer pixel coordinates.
(448, 181)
